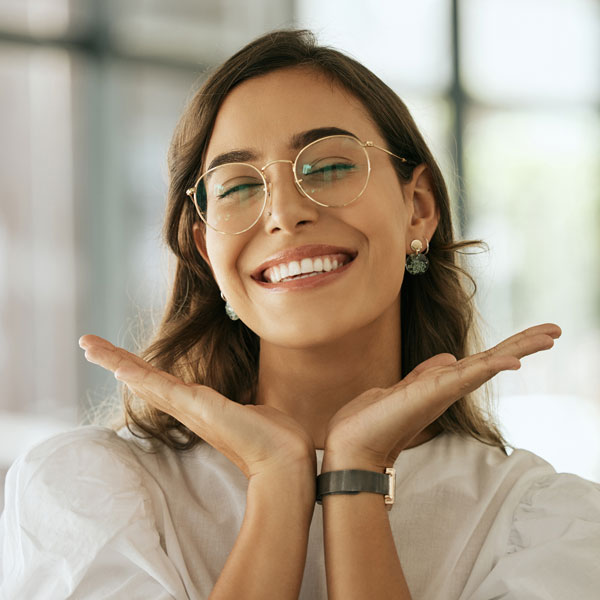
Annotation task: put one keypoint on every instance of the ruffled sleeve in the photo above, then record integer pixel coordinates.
(553, 548)
(78, 523)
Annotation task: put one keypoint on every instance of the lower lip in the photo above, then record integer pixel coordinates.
(307, 282)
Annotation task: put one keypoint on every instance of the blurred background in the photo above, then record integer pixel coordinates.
(507, 92)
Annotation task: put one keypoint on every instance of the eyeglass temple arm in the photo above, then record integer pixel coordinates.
(400, 158)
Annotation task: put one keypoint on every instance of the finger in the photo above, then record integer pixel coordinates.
(432, 394)
(547, 329)
(132, 369)
(118, 359)
(466, 375)
(539, 332)
(524, 346)
(111, 358)
(551, 329)
(161, 389)
(101, 351)
(439, 360)
(164, 397)
(85, 341)
(93, 345)
(435, 389)
(524, 343)
(186, 403)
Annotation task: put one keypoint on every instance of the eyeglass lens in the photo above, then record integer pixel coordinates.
(332, 171)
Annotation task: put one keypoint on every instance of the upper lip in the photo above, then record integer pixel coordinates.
(308, 251)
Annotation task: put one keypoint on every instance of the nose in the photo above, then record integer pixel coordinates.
(288, 209)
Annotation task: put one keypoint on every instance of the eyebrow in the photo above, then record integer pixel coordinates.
(297, 141)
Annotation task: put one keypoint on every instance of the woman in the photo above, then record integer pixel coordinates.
(295, 343)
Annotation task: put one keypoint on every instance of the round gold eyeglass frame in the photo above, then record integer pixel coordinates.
(191, 192)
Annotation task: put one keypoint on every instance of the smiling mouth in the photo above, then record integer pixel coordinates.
(304, 268)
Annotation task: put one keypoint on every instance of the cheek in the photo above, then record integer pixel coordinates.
(384, 198)
(383, 220)
(223, 254)
(387, 262)
(386, 237)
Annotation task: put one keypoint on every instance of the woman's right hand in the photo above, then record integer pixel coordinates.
(258, 439)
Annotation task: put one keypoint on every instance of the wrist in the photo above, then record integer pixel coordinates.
(293, 488)
(336, 459)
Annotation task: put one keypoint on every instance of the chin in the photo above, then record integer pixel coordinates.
(306, 333)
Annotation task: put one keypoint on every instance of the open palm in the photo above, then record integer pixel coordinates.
(376, 426)
(256, 438)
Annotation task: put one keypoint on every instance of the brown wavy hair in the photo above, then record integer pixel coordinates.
(197, 342)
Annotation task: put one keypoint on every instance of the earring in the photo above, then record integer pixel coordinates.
(417, 263)
(229, 309)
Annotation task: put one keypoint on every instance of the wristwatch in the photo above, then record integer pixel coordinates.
(354, 481)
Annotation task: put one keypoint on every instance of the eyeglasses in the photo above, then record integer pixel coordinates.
(332, 171)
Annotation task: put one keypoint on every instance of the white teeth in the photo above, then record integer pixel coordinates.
(303, 268)
(294, 268)
(306, 265)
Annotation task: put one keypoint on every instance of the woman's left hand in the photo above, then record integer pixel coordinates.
(370, 431)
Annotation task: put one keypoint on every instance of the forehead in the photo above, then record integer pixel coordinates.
(264, 113)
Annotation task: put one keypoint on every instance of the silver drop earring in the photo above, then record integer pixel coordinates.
(229, 309)
(417, 263)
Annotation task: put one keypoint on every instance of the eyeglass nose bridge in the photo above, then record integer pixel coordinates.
(269, 185)
(272, 162)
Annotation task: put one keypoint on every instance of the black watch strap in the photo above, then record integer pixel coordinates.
(354, 481)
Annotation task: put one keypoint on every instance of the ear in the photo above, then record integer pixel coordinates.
(200, 241)
(420, 201)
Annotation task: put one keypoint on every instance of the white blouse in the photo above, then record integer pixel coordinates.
(90, 515)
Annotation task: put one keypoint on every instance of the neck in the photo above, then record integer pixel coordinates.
(311, 384)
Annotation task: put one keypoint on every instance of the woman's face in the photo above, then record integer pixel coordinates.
(263, 115)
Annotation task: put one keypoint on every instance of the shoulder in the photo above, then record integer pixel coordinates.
(82, 437)
(547, 540)
(85, 436)
(82, 456)
(558, 508)
(529, 492)
(484, 470)
(77, 512)
(86, 473)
